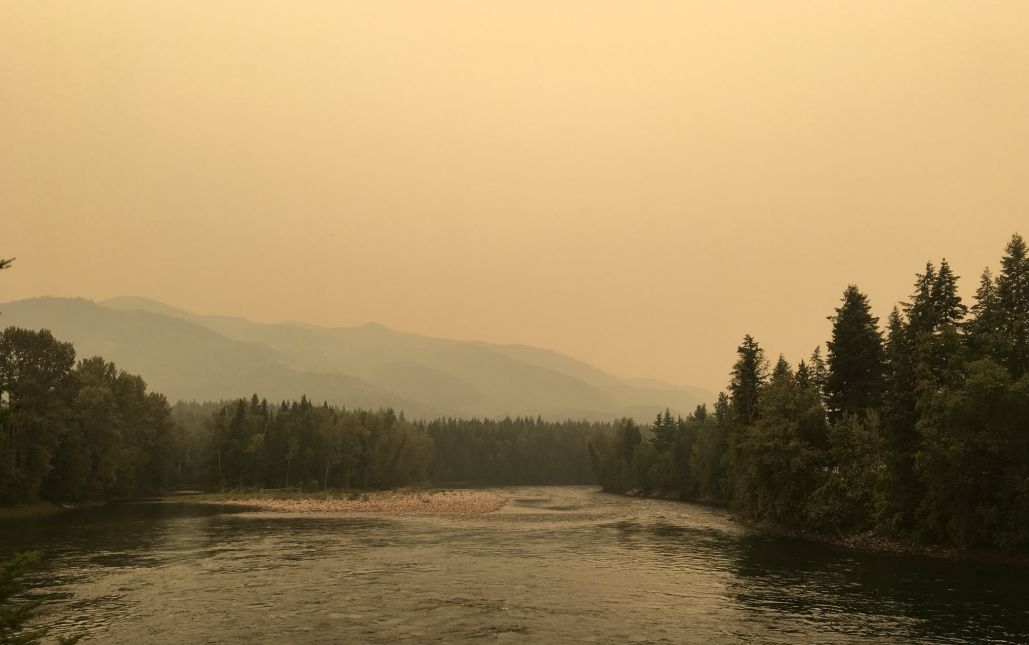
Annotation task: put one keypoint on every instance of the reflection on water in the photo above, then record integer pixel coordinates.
(558, 564)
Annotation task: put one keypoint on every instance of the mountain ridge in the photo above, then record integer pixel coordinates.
(207, 357)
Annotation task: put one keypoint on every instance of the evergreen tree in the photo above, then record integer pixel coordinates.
(664, 430)
(983, 331)
(949, 309)
(921, 311)
(15, 612)
(749, 374)
(901, 440)
(723, 408)
(1013, 301)
(937, 339)
(819, 371)
(855, 380)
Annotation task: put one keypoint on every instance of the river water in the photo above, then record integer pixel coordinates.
(558, 564)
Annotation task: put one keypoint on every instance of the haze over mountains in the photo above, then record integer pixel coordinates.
(197, 357)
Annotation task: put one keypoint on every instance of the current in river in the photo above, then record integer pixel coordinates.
(558, 564)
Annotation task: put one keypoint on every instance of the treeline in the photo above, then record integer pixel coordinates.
(919, 431)
(251, 444)
(72, 431)
(88, 431)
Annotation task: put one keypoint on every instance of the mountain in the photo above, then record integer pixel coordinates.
(195, 357)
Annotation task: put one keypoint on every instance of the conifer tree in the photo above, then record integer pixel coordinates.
(983, 329)
(855, 380)
(921, 311)
(899, 416)
(819, 371)
(947, 303)
(1013, 300)
(938, 343)
(749, 374)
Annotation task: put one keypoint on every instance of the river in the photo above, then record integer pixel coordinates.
(558, 564)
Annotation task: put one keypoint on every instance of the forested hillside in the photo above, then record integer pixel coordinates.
(190, 357)
(74, 431)
(920, 432)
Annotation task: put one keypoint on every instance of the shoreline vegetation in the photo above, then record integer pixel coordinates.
(868, 542)
(913, 432)
(908, 438)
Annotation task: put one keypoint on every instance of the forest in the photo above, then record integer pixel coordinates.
(78, 431)
(919, 431)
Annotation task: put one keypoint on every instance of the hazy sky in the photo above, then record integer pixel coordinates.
(637, 184)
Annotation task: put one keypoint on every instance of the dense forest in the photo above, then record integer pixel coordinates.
(921, 432)
(918, 431)
(88, 431)
(251, 444)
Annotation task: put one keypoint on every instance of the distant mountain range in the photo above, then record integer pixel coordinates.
(192, 357)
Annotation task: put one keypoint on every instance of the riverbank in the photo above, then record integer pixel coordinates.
(397, 502)
(27, 511)
(40, 509)
(868, 542)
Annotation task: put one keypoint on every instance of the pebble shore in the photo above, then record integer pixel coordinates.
(464, 502)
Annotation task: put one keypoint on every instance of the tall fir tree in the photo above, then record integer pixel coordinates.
(1013, 300)
(855, 380)
(984, 328)
(749, 374)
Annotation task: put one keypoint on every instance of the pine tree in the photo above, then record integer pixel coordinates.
(920, 311)
(949, 309)
(983, 329)
(723, 408)
(939, 345)
(1013, 300)
(901, 437)
(804, 376)
(819, 371)
(855, 380)
(665, 430)
(748, 375)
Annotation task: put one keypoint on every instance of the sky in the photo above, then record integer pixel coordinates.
(636, 184)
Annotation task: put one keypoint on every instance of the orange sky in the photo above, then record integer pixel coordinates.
(635, 184)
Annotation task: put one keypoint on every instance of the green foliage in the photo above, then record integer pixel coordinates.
(749, 374)
(36, 386)
(852, 485)
(854, 381)
(974, 460)
(922, 436)
(92, 432)
(16, 612)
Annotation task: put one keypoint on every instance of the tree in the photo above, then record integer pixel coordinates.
(749, 374)
(855, 380)
(778, 459)
(983, 331)
(1013, 301)
(974, 463)
(35, 388)
(15, 613)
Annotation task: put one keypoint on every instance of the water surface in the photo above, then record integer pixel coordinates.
(557, 564)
